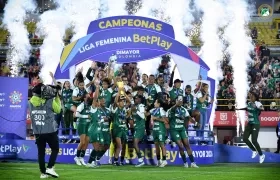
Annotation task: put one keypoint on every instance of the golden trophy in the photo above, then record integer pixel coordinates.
(120, 87)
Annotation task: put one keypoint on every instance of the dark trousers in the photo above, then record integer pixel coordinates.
(278, 144)
(59, 121)
(68, 120)
(41, 141)
(253, 130)
(147, 125)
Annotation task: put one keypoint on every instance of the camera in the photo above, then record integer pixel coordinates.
(49, 91)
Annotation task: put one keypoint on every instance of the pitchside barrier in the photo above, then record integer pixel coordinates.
(27, 150)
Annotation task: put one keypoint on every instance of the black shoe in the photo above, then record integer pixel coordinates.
(276, 152)
(117, 164)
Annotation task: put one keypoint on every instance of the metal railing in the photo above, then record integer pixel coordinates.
(277, 101)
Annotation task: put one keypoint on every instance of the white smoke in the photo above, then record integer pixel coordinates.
(240, 46)
(212, 49)
(81, 13)
(103, 9)
(15, 13)
(52, 26)
(116, 8)
(147, 7)
(180, 18)
(152, 9)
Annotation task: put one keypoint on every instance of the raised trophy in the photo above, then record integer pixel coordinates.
(121, 87)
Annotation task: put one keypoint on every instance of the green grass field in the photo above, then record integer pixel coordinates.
(29, 171)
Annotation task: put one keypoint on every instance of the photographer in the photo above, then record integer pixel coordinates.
(43, 105)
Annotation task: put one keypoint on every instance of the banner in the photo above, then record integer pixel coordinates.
(228, 118)
(129, 45)
(27, 150)
(234, 154)
(138, 22)
(59, 75)
(13, 105)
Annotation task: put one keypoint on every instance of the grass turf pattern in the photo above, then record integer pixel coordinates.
(30, 171)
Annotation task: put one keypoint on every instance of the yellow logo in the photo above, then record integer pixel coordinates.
(265, 10)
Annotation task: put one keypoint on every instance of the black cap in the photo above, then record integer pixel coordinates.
(178, 81)
(37, 89)
(188, 86)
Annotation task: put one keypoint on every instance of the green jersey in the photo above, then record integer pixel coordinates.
(139, 117)
(105, 112)
(177, 117)
(201, 106)
(159, 113)
(152, 90)
(84, 111)
(95, 124)
(67, 96)
(253, 112)
(119, 118)
(188, 101)
(78, 93)
(175, 92)
(107, 94)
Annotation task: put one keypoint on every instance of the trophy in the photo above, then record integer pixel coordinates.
(121, 87)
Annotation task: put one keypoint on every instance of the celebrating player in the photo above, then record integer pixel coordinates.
(158, 120)
(178, 117)
(94, 132)
(188, 103)
(138, 115)
(120, 130)
(83, 115)
(105, 126)
(254, 109)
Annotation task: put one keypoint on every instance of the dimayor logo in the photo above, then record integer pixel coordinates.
(128, 54)
(15, 99)
(11, 149)
(265, 10)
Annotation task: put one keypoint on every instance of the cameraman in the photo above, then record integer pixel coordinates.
(42, 114)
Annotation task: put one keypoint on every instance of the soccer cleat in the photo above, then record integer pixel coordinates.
(262, 157)
(77, 160)
(173, 144)
(186, 165)
(91, 165)
(193, 165)
(139, 164)
(126, 161)
(44, 176)
(117, 164)
(159, 163)
(97, 164)
(167, 141)
(163, 163)
(254, 154)
(82, 161)
(51, 172)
